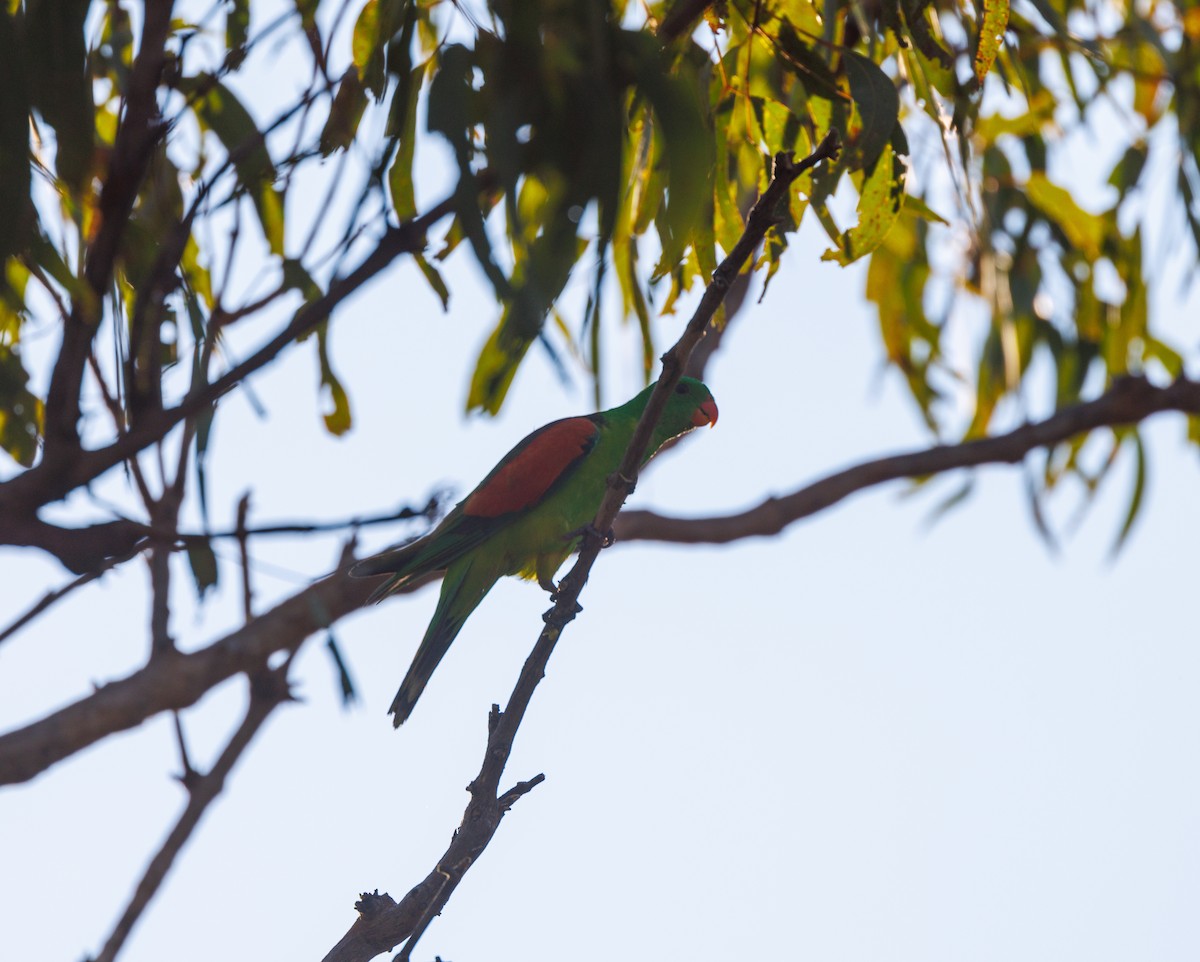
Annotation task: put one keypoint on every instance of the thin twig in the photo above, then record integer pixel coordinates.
(50, 598)
(267, 692)
(242, 535)
(51, 480)
(386, 927)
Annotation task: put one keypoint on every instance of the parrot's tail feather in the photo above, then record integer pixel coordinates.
(461, 593)
(388, 562)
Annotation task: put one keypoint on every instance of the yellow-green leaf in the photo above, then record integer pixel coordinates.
(992, 25)
(1085, 231)
(881, 197)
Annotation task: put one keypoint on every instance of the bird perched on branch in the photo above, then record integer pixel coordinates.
(525, 518)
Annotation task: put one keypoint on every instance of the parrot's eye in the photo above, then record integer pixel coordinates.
(681, 389)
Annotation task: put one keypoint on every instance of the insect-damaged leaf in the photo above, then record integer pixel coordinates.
(992, 25)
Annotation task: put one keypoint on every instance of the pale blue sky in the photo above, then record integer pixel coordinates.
(862, 740)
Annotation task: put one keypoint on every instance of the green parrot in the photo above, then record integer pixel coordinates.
(525, 518)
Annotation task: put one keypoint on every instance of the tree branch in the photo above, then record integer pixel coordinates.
(267, 691)
(681, 18)
(1130, 400)
(182, 679)
(52, 479)
(382, 922)
(176, 680)
(132, 149)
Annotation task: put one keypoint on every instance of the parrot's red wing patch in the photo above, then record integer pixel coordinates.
(531, 470)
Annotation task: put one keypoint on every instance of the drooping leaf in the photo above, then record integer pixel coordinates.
(337, 418)
(203, 563)
(1135, 496)
(237, 31)
(20, 410)
(434, 277)
(878, 107)
(220, 111)
(880, 198)
(1083, 230)
(59, 85)
(687, 146)
(345, 682)
(341, 125)
(403, 124)
(992, 25)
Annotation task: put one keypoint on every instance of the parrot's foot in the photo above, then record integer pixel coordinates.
(547, 584)
(607, 538)
(617, 478)
(552, 617)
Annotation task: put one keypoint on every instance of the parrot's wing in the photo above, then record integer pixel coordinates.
(534, 468)
(523, 479)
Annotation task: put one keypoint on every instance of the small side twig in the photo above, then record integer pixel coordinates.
(267, 691)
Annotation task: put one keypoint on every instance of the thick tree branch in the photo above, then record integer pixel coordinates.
(181, 680)
(81, 550)
(176, 680)
(1129, 401)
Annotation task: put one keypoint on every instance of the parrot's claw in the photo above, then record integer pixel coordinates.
(630, 484)
(607, 538)
(551, 618)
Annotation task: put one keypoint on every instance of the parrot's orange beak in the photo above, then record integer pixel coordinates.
(706, 413)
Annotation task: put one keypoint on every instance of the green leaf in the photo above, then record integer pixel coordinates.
(345, 682)
(434, 277)
(338, 419)
(366, 49)
(878, 107)
(16, 210)
(204, 566)
(1135, 497)
(1084, 231)
(218, 110)
(20, 410)
(1128, 170)
(296, 277)
(237, 30)
(992, 25)
(881, 196)
(403, 123)
(60, 86)
(348, 105)
(687, 144)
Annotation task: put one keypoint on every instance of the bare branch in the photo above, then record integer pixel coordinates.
(1129, 401)
(267, 692)
(175, 680)
(383, 923)
(50, 598)
(386, 924)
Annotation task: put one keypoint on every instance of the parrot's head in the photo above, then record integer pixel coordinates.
(690, 405)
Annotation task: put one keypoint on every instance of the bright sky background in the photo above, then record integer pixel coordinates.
(865, 739)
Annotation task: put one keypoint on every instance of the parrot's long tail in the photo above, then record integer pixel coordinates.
(462, 590)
